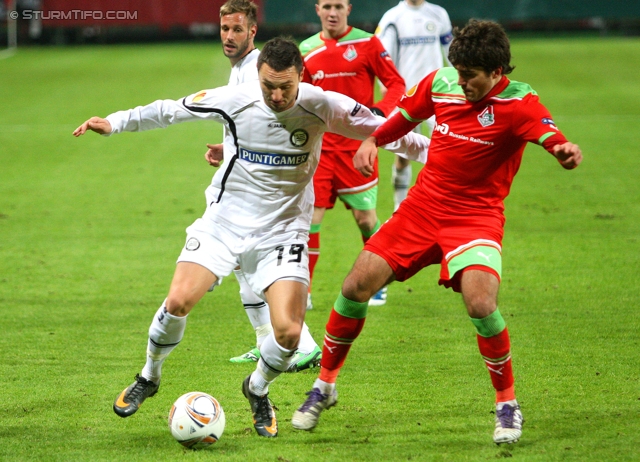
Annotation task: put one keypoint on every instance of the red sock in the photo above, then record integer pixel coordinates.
(314, 254)
(496, 352)
(340, 334)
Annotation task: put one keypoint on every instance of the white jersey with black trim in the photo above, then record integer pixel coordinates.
(270, 157)
(246, 69)
(417, 38)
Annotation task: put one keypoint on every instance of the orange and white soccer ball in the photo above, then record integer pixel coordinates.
(196, 420)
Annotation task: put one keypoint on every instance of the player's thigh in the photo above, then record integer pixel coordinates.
(209, 248)
(470, 243)
(368, 275)
(479, 287)
(407, 242)
(287, 300)
(190, 283)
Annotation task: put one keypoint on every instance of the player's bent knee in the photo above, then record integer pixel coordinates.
(288, 338)
(366, 220)
(357, 288)
(368, 275)
(367, 223)
(481, 305)
(180, 303)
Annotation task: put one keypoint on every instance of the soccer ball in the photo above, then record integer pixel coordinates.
(196, 420)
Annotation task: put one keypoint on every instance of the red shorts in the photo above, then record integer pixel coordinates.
(336, 176)
(412, 239)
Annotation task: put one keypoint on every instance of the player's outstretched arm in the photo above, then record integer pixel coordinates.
(365, 157)
(96, 124)
(568, 154)
(214, 155)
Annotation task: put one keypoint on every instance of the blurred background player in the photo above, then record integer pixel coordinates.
(238, 27)
(347, 60)
(417, 35)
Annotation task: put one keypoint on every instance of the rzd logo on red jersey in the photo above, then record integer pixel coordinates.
(442, 128)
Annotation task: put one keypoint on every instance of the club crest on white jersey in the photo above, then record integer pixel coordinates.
(299, 137)
(192, 244)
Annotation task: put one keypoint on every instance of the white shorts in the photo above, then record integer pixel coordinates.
(264, 258)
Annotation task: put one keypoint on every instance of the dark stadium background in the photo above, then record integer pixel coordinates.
(74, 22)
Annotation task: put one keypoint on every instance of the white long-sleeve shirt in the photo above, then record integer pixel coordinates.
(270, 157)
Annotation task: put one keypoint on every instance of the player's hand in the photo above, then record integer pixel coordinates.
(365, 157)
(214, 155)
(568, 154)
(96, 124)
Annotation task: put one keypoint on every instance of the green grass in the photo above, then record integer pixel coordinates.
(90, 229)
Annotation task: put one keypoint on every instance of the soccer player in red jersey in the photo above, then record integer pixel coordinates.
(454, 215)
(347, 60)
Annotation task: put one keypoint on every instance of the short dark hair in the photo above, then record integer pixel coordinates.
(281, 53)
(246, 7)
(481, 44)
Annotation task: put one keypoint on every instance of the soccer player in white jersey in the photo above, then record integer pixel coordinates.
(238, 27)
(417, 35)
(259, 208)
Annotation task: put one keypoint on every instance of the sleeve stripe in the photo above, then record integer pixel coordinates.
(545, 136)
(409, 118)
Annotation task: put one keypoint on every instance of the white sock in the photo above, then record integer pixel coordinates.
(257, 309)
(307, 344)
(165, 333)
(325, 387)
(401, 182)
(262, 332)
(274, 360)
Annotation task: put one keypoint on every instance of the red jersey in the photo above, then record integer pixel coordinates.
(349, 65)
(476, 148)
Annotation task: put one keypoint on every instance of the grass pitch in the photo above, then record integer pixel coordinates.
(90, 229)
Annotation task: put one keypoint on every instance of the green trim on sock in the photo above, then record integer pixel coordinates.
(373, 231)
(496, 360)
(491, 325)
(349, 308)
(315, 229)
(339, 339)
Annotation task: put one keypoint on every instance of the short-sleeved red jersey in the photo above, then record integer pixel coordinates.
(476, 148)
(349, 65)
